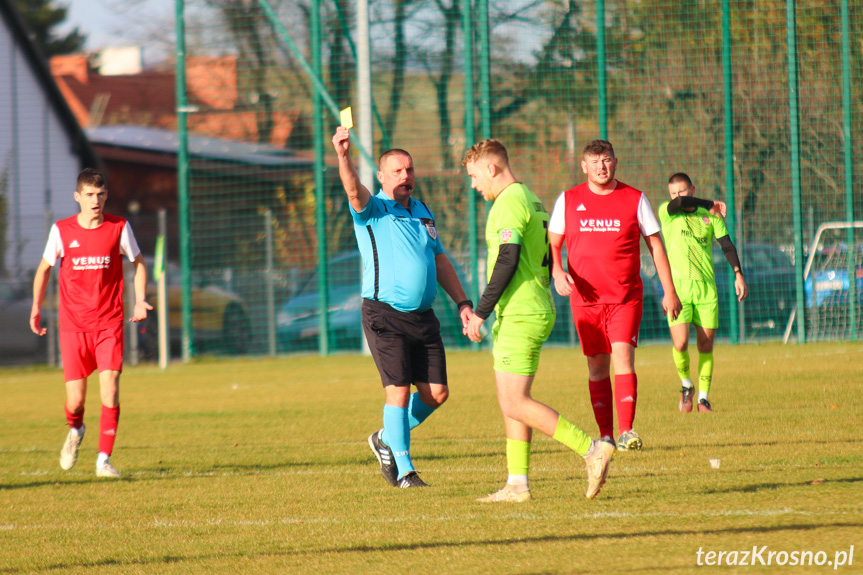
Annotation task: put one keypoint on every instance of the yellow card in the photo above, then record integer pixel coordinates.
(346, 118)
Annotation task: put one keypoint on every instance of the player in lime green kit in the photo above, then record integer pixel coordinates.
(518, 292)
(689, 224)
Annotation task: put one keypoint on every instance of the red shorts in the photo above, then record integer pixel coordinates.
(82, 352)
(600, 325)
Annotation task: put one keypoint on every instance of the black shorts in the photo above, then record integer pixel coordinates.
(406, 346)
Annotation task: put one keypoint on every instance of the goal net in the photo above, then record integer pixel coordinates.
(833, 283)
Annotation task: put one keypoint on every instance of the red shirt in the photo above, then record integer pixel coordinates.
(91, 271)
(602, 235)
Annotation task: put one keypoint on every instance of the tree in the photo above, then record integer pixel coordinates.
(41, 17)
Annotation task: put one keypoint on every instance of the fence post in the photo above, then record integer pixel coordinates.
(470, 139)
(729, 153)
(366, 101)
(320, 196)
(600, 69)
(271, 299)
(183, 183)
(849, 172)
(484, 68)
(794, 119)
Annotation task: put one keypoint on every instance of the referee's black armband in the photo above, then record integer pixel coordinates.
(730, 253)
(504, 270)
(681, 202)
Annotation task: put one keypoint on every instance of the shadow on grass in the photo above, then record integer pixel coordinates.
(741, 444)
(760, 529)
(627, 535)
(450, 457)
(58, 483)
(756, 487)
(163, 473)
(251, 467)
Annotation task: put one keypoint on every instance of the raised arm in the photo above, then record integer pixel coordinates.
(715, 207)
(670, 302)
(40, 284)
(358, 194)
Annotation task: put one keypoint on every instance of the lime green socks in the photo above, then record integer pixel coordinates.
(681, 360)
(571, 436)
(517, 457)
(705, 373)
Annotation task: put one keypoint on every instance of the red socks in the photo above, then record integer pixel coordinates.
(603, 406)
(626, 394)
(108, 429)
(75, 420)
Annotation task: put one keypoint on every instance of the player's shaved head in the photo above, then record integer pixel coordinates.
(487, 149)
(90, 177)
(389, 153)
(598, 148)
(680, 177)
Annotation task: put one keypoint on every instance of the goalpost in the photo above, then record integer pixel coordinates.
(833, 284)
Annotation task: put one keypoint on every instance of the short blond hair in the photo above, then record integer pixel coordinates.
(485, 149)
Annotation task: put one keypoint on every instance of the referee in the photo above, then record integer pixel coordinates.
(403, 261)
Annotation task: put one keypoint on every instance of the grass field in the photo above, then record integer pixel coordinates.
(262, 466)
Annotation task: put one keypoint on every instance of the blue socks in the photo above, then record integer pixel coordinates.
(397, 434)
(398, 421)
(417, 410)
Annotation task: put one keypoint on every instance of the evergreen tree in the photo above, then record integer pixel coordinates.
(41, 17)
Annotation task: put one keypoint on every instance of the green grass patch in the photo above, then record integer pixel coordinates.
(262, 466)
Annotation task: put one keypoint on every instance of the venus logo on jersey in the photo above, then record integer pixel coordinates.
(601, 225)
(91, 263)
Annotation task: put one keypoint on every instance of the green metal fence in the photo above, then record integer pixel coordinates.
(757, 101)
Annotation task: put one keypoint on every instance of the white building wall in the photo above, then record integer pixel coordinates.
(36, 156)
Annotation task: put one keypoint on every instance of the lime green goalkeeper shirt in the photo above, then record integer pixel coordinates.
(688, 241)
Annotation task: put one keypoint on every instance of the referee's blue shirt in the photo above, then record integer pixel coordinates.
(398, 246)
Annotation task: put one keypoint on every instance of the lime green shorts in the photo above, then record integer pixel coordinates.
(700, 303)
(518, 340)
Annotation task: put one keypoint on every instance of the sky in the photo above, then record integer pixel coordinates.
(111, 23)
(108, 22)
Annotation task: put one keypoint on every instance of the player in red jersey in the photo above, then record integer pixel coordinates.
(601, 222)
(91, 310)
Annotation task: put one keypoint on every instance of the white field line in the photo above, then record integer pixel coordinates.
(299, 521)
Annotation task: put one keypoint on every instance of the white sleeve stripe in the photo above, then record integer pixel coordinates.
(128, 244)
(557, 221)
(54, 246)
(647, 222)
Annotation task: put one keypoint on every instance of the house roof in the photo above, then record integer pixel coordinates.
(147, 97)
(39, 66)
(159, 141)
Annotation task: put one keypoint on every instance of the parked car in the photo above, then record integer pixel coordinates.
(17, 342)
(831, 279)
(298, 319)
(220, 319)
(769, 274)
